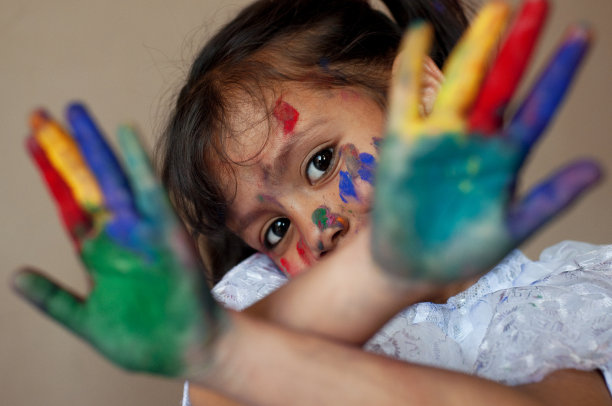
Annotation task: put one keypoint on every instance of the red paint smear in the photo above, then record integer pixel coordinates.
(286, 114)
(301, 250)
(75, 219)
(500, 84)
(286, 266)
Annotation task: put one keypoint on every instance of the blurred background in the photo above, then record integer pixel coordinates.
(125, 59)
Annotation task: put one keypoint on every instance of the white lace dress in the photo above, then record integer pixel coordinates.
(519, 322)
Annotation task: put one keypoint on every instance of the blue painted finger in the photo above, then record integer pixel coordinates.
(105, 166)
(50, 298)
(545, 97)
(101, 159)
(551, 197)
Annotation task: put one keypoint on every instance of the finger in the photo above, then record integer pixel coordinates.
(150, 197)
(101, 160)
(545, 97)
(551, 197)
(75, 219)
(467, 66)
(406, 87)
(501, 82)
(64, 155)
(51, 299)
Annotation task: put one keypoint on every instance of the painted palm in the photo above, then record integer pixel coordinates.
(445, 204)
(149, 309)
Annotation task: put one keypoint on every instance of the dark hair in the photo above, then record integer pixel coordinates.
(326, 43)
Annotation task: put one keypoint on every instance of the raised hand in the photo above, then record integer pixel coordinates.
(445, 205)
(149, 308)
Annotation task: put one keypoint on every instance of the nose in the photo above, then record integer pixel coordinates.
(329, 228)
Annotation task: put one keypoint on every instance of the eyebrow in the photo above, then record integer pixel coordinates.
(280, 160)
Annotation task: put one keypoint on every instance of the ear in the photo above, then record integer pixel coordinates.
(431, 83)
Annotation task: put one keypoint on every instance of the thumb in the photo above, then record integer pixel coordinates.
(50, 298)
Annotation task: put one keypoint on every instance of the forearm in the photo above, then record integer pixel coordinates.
(259, 363)
(346, 297)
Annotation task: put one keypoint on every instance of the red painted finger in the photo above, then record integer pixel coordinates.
(503, 79)
(76, 221)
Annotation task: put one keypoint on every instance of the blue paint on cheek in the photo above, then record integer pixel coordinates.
(368, 167)
(347, 188)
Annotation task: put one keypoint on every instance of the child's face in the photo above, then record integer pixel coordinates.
(306, 182)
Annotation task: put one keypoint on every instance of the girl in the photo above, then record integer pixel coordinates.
(270, 44)
(182, 333)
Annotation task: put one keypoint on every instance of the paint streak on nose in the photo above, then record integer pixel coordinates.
(324, 219)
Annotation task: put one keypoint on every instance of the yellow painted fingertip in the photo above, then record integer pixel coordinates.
(63, 153)
(468, 64)
(407, 77)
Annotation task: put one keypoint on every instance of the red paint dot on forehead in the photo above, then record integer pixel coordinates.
(286, 114)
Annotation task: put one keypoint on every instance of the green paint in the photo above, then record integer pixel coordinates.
(319, 218)
(144, 315)
(149, 308)
(440, 206)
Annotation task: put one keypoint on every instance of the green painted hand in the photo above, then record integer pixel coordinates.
(149, 308)
(445, 205)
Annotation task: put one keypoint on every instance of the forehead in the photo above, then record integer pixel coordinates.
(264, 130)
(280, 116)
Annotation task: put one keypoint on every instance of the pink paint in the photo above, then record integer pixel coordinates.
(349, 95)
(287, 115)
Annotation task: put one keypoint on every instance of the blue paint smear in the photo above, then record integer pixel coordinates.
(347, 188)
(368, 167)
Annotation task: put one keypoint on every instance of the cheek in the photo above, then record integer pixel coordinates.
(293, 262)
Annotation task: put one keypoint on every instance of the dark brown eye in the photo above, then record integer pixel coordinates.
(319, 164)
(276, 232)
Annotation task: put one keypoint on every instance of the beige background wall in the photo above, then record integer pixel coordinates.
(124, 58)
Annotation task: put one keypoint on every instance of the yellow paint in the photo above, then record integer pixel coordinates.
(473, 165)
(466, 186)
(406, 88)
(464, 72)
(467, 66)
(63, 153)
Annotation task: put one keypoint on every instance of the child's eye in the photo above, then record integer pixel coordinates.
(319, 163)
(276, 232)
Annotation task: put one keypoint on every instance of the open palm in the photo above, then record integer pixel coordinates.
(445, 204)
(149, 308)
